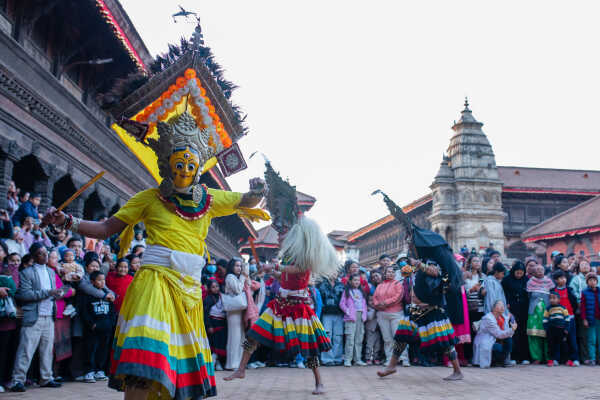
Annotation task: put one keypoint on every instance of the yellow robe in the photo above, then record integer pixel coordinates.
(160, 333)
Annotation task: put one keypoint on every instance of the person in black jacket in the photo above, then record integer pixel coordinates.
(98, 317)
(515, 291)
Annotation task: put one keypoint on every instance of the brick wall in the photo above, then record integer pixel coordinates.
(589, 244)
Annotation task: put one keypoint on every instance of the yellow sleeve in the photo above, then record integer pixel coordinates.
(135, 209)
(224, 202)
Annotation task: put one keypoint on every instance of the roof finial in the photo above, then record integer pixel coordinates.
(466, 104)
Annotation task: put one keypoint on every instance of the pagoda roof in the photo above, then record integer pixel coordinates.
(549, 180)
(578, 220)
(305, 201)
(267, 237)
(114, 14)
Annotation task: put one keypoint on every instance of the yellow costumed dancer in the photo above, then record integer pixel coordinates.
(160, 348)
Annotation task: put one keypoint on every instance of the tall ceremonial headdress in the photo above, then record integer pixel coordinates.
(184, 104)
(428, 245)
(304, 244)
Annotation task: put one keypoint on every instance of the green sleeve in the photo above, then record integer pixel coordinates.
(7, 281)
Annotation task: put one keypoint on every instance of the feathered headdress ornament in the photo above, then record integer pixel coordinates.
(281, 199)
(304, 245)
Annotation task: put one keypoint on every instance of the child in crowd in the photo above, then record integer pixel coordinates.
(569, 301)
(215, 322)
(354, 306)
(71, 271)
(556, 323)
(373, 342)
(118, 281)
(538, 287)
(98, 318)
(590, 314)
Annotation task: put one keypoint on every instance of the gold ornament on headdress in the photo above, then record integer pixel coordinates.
(179, 132)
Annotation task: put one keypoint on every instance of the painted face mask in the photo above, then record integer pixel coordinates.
(184, 166)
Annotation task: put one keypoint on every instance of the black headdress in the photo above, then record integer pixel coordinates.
(428, 245)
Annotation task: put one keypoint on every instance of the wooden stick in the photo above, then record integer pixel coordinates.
(253, 248)
(81, 190)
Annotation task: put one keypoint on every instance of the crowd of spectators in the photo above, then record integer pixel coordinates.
(522, 313)
(60, 295)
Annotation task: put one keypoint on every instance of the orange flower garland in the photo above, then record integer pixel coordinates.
(187, 86)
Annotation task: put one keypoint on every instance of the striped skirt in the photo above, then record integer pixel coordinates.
(160, 337)
(291, 328)
(433, 332)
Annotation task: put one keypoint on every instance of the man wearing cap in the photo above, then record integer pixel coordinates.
(36, 293)
(401, 262)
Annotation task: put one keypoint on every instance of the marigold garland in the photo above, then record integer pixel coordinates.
(187, 86)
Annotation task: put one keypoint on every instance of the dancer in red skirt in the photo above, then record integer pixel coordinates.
(289, 324)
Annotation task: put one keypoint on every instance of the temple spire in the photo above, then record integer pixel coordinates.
(466, 116)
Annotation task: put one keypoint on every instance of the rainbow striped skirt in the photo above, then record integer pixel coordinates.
(432, 331)
(292, 327)
(160, 337)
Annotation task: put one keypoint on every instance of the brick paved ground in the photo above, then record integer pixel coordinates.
(529, 383)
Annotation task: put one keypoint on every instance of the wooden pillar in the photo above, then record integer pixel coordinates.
(6, 172)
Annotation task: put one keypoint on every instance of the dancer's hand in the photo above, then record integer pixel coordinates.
(53, 217)
(258, 187)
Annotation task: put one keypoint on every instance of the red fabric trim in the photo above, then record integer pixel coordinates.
(266, 334)
(573, 192)
(159, 361)
(119, 32)
(559, 235)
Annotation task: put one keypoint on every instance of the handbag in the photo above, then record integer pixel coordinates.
(234, 303)
(7, 308)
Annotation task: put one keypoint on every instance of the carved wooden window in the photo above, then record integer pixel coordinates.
(534, 215)
(517, 215)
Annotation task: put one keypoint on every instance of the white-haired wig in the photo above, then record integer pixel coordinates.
(309, 249)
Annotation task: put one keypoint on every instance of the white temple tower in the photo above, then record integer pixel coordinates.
(467, 192)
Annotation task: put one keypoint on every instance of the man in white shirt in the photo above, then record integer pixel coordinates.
(37, 293)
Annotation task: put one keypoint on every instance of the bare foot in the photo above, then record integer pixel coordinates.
(319, 389)
(456, 376)
(386, 372)
(236, 375)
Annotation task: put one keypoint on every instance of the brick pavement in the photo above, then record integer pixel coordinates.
(530, 383)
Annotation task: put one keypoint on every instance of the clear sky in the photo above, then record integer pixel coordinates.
(348, 96)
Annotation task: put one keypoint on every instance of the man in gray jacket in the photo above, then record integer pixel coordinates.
(37, 293)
